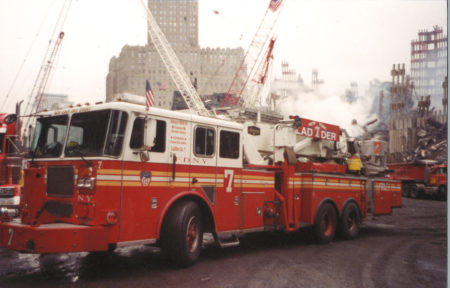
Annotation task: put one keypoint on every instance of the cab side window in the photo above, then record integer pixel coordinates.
(204, 141)
(137, 135)
(229, 144)
(160, 140)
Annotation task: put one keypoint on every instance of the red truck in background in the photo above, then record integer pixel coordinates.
(421, 178)
(10, 165)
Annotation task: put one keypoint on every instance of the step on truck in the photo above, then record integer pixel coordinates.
(115, 174)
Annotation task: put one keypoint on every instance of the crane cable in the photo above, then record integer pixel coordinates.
(25, 59)
(62, 16)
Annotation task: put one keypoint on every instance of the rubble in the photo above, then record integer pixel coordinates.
(431, 142)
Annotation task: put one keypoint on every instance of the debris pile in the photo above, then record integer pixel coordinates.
(432, 142)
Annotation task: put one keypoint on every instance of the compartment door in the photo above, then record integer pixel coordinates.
(229, 180)
(382, 198)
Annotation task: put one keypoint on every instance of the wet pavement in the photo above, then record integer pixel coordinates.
(406, 249)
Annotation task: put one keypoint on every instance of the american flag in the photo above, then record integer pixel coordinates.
(163, 85)
(149, 100)
(274, 4)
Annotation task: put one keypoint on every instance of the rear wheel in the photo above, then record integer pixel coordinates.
(350, 221)
(325, 224)
(413, 191)
(443, 193)
(405, 190)
(182, 234)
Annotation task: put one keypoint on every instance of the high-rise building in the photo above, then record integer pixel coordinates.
(178, 20)
(211, 70)
(429, 64)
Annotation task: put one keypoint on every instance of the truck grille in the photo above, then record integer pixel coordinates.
(60, 181)
(6, 192)
(59, 209)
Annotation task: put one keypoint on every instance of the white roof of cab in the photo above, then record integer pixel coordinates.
(140, 109)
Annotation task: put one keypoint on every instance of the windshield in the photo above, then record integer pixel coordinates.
(96, 133)
(49, 136)
(93, 133)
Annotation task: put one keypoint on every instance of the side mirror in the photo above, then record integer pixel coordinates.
(149, 133)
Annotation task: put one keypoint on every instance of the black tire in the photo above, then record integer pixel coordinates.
(350, 221)
(182, 234)
(413, 192)
(325, 224)
(405, 190)
(443, 193)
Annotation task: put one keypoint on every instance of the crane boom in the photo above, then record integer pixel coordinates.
(46, 73)
(252, 55)
(260, 76)
(42, 80)
(173, 65)
(34, 105)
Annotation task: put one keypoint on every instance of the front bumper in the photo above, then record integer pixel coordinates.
(53, 238)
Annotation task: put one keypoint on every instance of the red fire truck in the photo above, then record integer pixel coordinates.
(421, 178)
(10, 165)
(114, 174)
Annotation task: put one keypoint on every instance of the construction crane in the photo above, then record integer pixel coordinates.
(43, 77)
(260, 76)
(253, 54)
(34, 105)
(173, 65)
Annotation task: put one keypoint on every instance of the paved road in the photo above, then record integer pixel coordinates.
(406, 249)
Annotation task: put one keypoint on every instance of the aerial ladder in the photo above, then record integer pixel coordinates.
(253, 55)
(174, 67)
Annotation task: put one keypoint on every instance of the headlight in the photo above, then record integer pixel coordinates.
(86, 183)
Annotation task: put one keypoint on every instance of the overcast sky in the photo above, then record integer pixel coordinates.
(345, 40)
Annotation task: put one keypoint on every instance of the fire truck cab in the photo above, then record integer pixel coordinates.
(114, 174)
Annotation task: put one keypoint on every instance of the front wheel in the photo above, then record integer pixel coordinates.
(350, 221)
(182, 236)
(325, 224)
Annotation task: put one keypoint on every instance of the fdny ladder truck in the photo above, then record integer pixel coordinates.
(117, 174)
(114, 174)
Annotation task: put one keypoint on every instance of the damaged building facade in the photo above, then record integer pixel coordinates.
(429, 64)
(418, 107)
